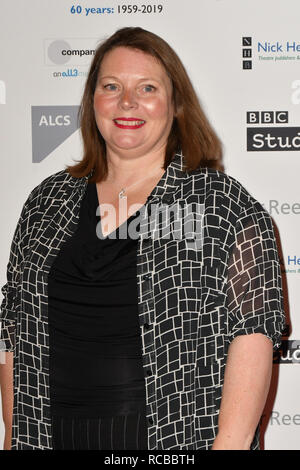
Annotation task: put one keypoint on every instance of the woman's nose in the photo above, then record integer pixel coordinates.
(128, 99)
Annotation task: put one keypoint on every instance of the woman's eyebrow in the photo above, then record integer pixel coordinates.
(151, 79)
(101, 77)
(107, 76)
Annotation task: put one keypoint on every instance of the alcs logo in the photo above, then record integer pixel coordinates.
(60, 120)
(51, 126)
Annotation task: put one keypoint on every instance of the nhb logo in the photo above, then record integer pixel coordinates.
(247, 52)
(51, 125)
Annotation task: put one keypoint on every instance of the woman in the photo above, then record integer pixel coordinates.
(135, 341)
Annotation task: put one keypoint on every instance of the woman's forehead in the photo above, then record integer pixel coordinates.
(131, 61)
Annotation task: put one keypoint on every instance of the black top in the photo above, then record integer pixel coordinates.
(94, 334)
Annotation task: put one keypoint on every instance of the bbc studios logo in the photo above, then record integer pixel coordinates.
(261, 137)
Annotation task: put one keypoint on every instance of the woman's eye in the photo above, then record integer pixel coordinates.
(110, 86)
(148, 88)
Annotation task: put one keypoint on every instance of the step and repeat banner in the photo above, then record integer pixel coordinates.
(243, 58)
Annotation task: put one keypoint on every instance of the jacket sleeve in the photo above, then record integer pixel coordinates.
(9, 290)
(254, 284)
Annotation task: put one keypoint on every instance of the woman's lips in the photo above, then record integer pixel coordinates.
(129, 123)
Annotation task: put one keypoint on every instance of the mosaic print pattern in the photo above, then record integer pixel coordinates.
(192, 300)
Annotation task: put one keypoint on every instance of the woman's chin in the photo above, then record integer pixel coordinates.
(126, 144)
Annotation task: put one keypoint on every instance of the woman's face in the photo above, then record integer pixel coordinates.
(133, 102)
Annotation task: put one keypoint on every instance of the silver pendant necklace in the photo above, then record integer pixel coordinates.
(123, 190)
(122, 193)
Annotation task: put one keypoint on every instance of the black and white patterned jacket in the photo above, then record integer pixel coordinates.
(192, 302)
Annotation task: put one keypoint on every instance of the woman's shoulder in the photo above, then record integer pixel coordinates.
(58, 178)
(48, 188)
(219, 180)
(54, 181)
(223, 183)
(231, 192)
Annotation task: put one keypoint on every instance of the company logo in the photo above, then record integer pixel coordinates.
(247, 52)
(73, 72)
(276, 51)
(288, 353)
(271, 139)
(264, 51)
(51, 125)
(267, 117)
(2, 92)
(288, 46)
(73, 52)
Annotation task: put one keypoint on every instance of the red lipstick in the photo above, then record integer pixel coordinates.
(129, 122)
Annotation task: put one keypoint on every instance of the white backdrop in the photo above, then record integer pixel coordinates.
(242, 56)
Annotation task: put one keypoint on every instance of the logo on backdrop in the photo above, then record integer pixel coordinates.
(278, 51)
(247, 52)
(68, 55)
(277, 137)
(275, 207)
(288, 353)
(277, 418)
(264, 51)
(51, 126)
